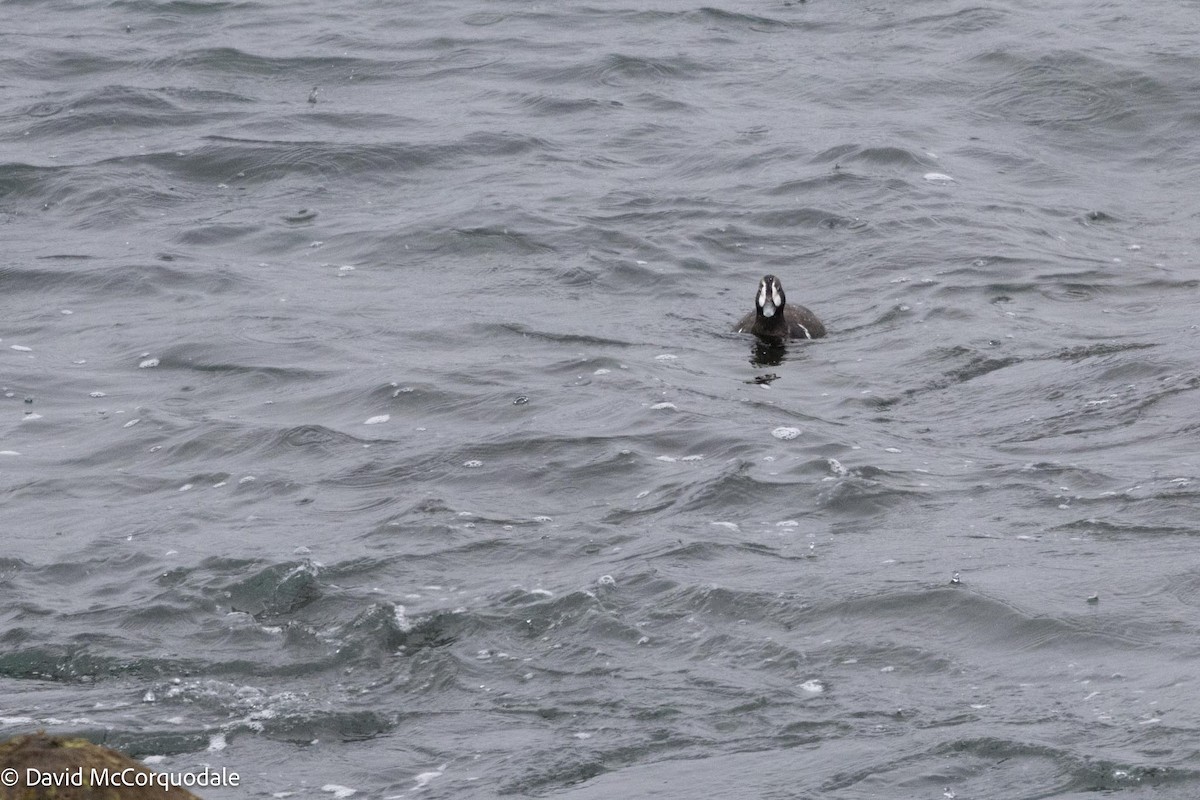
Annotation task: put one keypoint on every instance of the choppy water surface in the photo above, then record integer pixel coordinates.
(371, 420)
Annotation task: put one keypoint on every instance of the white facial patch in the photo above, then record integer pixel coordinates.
(767, 304)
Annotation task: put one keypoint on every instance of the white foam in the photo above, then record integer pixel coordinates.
(20, 348)
(425, 777)
(337, 790)
(401, 619)
(785, 433)
(376, 420)
(669, 406)
(813, 685)
(149, 363)
(938, 177)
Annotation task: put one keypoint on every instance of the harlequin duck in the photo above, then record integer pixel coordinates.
(773, 318)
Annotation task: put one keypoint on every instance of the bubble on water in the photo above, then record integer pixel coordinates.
(813, 685)
(149, 363)
(666, 357)
(836, 467)
(785, 433)
(669, 406)
(9, 453)
(131, 423)
(185, 487)
(606, 580)
(377, 420)
(97, 394)
(892, 450)
(938, 177)
(602, 371)
(692, 458)
(787, 523)
(668, 459)
(20, 348)
(32, 416)
(473, 463)
(216, 742)
(247, 479)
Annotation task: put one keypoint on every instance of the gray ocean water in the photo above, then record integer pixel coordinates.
(371, 424)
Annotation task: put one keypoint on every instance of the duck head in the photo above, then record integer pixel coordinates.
(770, 299)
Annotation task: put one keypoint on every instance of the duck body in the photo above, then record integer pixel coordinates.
(774, 318)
